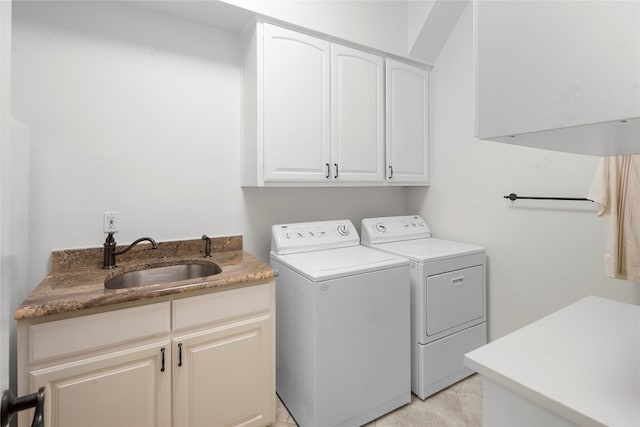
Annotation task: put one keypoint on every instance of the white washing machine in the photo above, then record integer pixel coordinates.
(448, 298)
(342, 325)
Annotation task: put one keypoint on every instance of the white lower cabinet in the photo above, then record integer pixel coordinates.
(117, 389)
(206, 360)
(222, 375)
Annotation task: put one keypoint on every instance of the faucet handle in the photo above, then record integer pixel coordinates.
(207, 246)
(110, 240)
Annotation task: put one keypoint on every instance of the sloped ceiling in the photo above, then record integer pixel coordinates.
(430, 23)
(413, 28)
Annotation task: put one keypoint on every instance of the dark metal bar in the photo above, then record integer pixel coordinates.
(11, 404)
(514, 196)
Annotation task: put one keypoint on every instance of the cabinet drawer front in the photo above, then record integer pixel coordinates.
(221, 306)
(96, 331)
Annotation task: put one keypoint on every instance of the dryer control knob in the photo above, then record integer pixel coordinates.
(343, 230)
(381, 227)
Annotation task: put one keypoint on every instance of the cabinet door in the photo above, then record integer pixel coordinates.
(224, 376)
(407, 92)
(296, 106)
(125, 388)
(357, 115)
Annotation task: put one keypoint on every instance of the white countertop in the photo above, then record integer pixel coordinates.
(581, 363)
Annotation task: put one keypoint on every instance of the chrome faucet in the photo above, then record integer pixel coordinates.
(110, 249)
(207, 246)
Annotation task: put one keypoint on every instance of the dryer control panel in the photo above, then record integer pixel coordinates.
(393, 229)
(313, 236)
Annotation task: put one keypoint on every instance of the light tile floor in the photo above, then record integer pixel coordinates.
(457, 406)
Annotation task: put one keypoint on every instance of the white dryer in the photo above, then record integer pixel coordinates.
(342, 325)
(448, 298)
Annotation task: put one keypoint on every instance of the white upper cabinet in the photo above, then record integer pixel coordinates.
(407, 145)
(357, 115)
(560, 75)
(314, 114)
(297, 133)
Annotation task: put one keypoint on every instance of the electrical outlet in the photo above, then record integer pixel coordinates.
(111, 222)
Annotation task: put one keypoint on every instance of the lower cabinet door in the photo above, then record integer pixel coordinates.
(124, 388)
(224, 376)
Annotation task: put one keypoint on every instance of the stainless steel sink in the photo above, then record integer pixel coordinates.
(161, 274)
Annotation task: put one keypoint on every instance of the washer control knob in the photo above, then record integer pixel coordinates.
(343, 230)
(381, 227)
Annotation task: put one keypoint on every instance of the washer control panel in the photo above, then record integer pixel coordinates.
(312, 236)
(393, 229)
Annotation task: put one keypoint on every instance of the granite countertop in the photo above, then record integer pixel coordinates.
(76, 280)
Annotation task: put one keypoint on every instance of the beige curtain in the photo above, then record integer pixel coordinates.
(616, 191)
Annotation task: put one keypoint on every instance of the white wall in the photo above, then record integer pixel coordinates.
(17, 173)
(542, 255)
(15, 257)
(5, 104)
(139, 112)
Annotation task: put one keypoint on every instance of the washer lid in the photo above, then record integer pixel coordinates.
(335, 263)
(429, 249)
